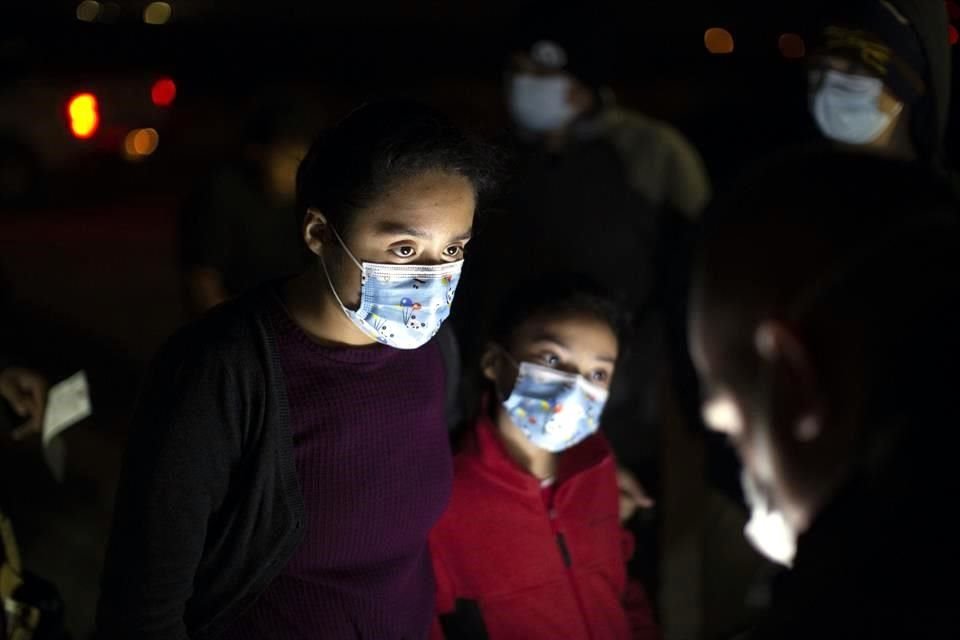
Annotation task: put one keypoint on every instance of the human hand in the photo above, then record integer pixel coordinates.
(26, 391)
(632, 495)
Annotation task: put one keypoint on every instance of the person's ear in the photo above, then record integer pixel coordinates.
(491, 363)
(316, 231)
(795, 386)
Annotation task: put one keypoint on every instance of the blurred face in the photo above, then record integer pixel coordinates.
(768, 420)
(425, 219)
(541, 98)
(579, 344)
(852, 106)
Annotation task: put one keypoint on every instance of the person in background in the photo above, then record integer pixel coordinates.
(531, 545)
(30, 607)
(240, 228)
(289, 454)
(823, 327)
(880, 77)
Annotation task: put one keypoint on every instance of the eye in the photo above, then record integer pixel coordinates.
(599, 376)
(405, 251)
(453, 251)
(550, 359)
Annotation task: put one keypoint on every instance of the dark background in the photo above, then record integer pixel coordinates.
(88, 256)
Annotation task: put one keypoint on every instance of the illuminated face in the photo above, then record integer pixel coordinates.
(749, 419)
(426, 219)
(574, 343)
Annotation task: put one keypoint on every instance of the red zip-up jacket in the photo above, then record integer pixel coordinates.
(516, 561)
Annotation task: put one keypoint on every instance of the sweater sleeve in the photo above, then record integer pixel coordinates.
(185, 433)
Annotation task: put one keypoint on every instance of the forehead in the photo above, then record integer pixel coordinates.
(437, 203)
(543, 56)
(841, 63)
(579, 332)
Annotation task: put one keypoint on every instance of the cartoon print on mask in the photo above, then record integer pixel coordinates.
(388, 311)
(554, 409)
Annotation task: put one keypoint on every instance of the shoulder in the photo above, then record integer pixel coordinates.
(629, 130)
(230, 336)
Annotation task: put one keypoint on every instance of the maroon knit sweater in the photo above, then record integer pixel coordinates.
(375, 470)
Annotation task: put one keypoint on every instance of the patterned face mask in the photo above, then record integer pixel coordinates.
(554, 409)
(401, 305)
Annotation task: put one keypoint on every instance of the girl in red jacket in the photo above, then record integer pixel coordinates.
(531, 546)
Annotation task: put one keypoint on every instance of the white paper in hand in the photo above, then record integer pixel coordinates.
(67, 404)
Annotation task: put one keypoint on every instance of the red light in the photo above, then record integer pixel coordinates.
(164, 92)
(84, 115)
(954, 35)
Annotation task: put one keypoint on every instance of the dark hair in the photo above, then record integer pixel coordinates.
(557, 295)
(356, 161)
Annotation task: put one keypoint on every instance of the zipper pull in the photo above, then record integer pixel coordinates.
(564, 551)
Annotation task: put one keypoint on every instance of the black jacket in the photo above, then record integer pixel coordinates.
(201, 528)
(880, 562)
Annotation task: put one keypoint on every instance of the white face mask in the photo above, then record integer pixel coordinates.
(767, 530)
(401, 305)
(846, 108)
(540, 103)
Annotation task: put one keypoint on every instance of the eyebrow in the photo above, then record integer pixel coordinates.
(388, 227)
(546, 337)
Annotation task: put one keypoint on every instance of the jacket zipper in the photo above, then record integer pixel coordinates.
(568, 565)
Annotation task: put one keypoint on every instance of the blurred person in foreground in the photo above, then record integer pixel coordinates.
(532, 545)
(823, 327)
(239, 229)
(880, 76)
(289, 453)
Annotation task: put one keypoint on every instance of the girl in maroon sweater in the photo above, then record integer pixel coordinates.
(289, 454)
(531, 545)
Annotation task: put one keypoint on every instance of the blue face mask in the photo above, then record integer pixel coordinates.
(540, 103)
(401, 305)
(555, 410)
(846, 108)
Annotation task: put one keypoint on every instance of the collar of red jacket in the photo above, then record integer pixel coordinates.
(486, 447)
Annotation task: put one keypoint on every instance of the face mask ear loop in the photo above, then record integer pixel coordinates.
(501, 396)
(333, 289)
(345, 248)
(326, 272)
